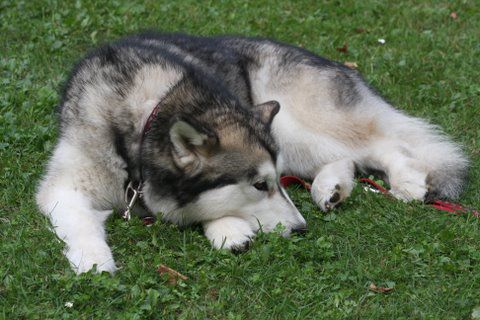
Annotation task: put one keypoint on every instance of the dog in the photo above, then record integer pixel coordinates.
(199, 129)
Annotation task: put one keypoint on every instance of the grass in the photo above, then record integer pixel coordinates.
(428, 67)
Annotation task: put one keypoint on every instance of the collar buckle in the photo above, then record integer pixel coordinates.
(132, 193)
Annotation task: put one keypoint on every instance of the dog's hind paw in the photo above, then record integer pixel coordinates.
(410, 191)
(230, 233)
(411, 185)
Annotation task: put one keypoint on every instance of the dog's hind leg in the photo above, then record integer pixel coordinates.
(69, 195)
(407, 175)
(333, 183)
(229, 232)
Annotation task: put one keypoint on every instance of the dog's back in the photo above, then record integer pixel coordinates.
(328, 113)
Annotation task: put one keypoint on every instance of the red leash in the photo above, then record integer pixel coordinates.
(454, 208)
(286, 181)
(374, 184)
(437, 204)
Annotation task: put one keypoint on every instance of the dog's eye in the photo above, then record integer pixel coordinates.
(261, 185)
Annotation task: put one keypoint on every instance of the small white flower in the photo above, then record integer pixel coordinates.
(381, 41)
(68, 304)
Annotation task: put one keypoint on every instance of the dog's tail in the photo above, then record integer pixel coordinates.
(448, 169)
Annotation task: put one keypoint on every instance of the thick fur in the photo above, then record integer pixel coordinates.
(220, 141)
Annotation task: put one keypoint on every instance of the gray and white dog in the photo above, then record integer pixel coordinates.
(204, 126)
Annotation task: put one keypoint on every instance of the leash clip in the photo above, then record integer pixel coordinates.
(130, 201)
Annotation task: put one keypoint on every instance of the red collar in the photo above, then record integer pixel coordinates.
(151, 117)
(133, 191)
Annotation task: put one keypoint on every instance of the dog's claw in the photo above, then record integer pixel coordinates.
(328, 206)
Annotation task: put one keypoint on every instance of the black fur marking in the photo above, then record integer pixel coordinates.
(300, 231)
(215, 91)
(344, 87)
(431, 196)
(183, 189)
(241, 248)
(109, 56)
(446, 183)
(378, 174)
(121, 149)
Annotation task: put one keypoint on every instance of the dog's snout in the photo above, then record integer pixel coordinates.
(300, 230)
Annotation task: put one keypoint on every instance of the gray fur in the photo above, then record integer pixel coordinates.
(230, 108)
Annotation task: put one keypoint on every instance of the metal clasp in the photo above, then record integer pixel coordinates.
(130, 201)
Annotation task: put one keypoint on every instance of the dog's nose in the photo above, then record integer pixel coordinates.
(300, 230)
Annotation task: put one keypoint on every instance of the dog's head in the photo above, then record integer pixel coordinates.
(218, 163)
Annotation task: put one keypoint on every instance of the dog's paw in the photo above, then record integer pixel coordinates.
(328, 194)
(410, 191)
(84, 257)
(230, 233)
(333, 184)
(411, 186)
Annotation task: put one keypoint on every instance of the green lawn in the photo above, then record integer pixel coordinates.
(429, 66)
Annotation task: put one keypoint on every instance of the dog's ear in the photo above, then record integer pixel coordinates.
(266, 111)
(191, 146)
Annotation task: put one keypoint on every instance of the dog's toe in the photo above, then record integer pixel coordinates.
(231, 233)
(410, 190)
(241, 248)
(87, 258)
(329, 198)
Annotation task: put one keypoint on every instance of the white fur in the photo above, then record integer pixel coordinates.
(228, 232)
(76, 219)
(150, 85)
(334, 178)
(318, 139)
(231, 223)
(246, 207)
(260, 209)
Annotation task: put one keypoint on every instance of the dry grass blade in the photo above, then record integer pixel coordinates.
(173, 275)
(374, 288)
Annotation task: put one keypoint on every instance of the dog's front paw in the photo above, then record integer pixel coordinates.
(333, 184)
(327, 194)
(230, 233)
(84, 256)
